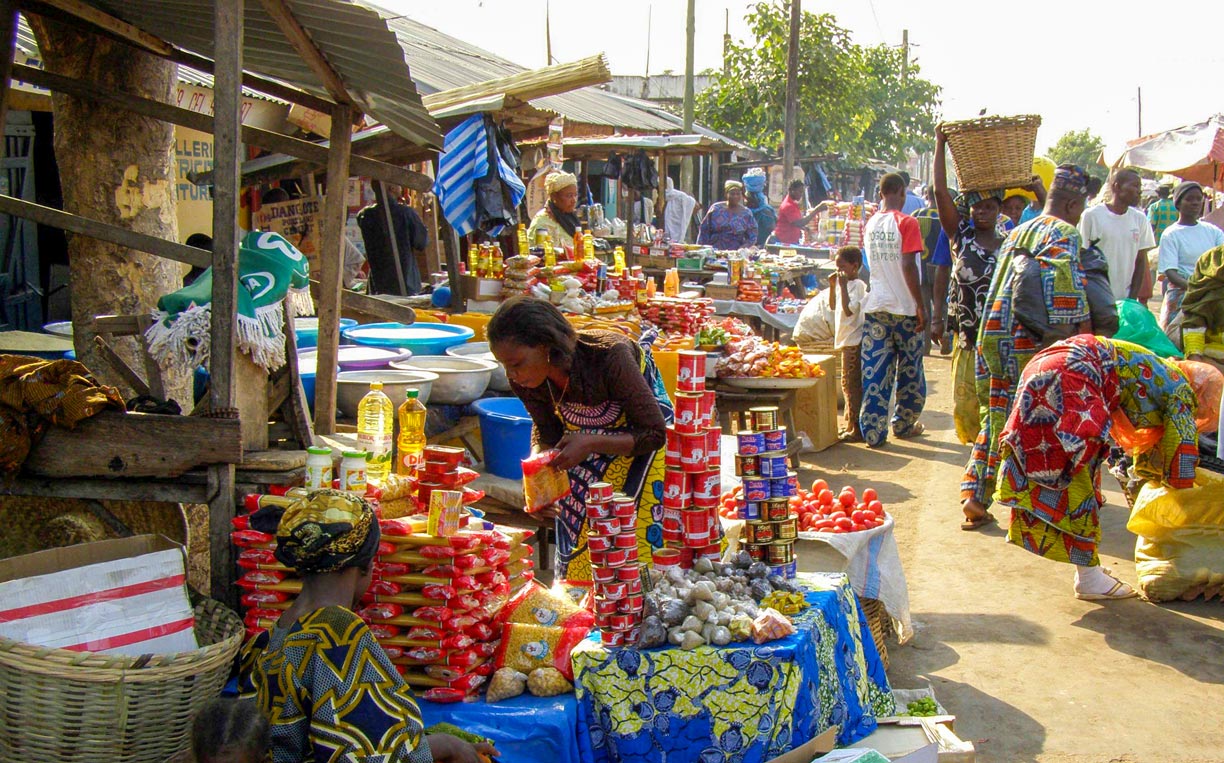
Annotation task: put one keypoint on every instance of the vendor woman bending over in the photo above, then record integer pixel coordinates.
(598, 398)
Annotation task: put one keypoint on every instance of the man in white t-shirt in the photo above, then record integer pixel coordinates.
(1122, 233)
(894, 322)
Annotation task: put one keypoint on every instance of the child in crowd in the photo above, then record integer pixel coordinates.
(230, 731)
(846, 294)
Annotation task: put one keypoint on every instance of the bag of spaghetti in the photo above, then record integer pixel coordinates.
(543, 483)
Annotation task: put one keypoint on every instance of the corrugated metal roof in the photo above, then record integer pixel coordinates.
(678, 122)
(441, 62)
(353, 39)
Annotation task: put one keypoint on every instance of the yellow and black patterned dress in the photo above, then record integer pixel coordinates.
(330, 693)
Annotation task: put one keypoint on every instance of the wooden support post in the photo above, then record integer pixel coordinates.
(331, 270)
(227, 150)
(453, 253)
(384, 203)
(8, 45)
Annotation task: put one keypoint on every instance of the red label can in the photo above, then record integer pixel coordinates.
(666, 557)
(691, 374)
(605, 606)
(673, 530)
(616, 557)
(602, 575)
(671, 453)
(696, 525)
(688, 414)
(693, 453)
(706, 502)
(598, 510)
(599, 492)
(624, 506)
(612, 591)
(676, 487)
(625, 540)
(611, 638)
(632, 603)
(605, 527)
(714, 446)
(707, 484)
(627, 573)
(709, 412)
(599, 542)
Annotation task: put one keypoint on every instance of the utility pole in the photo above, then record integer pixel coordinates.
(1139, 93)
(690, 34)
(904, 56)
(726, 40)
(792, 93)
(649, 21)
(548, 33)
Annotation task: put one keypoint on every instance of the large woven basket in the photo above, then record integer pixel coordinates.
(880, 624)
(993, 152)
(74, 707)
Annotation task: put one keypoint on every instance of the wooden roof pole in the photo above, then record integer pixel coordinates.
(331, 271)
(299, 38)
(116, 27)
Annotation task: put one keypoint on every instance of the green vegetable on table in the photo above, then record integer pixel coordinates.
(455, 731)
(922, 708)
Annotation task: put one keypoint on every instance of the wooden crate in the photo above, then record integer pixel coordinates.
(816, 406)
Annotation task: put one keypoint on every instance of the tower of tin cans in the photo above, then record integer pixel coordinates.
(615, 570)
(769, 483)
(692, 482)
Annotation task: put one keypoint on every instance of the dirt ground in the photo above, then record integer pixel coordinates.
(1032, 673)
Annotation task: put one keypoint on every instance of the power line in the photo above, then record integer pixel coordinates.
(874, 15)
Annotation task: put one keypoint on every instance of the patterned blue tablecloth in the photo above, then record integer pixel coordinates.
(741, 703)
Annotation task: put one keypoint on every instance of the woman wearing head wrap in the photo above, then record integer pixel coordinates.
(1181, 246)
(1047, 287)
(1071, 401)
(729, 225)
(328, 689)
(557, 216)
(754, 198)
(971, 224)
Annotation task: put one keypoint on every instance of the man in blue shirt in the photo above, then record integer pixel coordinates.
(913, 202)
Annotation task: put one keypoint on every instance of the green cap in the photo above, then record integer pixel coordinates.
(316, 451)
(412, 393)
(354, 454)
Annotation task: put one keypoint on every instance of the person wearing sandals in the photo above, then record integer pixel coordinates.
(1074, 399)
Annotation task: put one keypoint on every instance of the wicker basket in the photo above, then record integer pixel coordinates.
(57, 705)
(993, 152)
(880, 624)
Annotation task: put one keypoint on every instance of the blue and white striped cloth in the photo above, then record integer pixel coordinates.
(464, 160)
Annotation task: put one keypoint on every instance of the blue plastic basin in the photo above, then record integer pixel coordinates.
(505, 431)
(421, 338)
(307, 331)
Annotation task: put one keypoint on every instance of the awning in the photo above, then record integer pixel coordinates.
(1194, 152)
(586, 148)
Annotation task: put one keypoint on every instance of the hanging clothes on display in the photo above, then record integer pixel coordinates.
(478, 186)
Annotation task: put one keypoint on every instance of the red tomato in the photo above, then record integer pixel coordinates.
(844, 524)
(859, 526)
(860, 516)
(870, 494)
(838, 515)
(822, 525)
(826, 497)
(850, 490)
(846, 499)
(877, 521)
(819, 485)
(876, 507)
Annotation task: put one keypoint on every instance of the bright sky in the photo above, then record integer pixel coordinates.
(1085, 75)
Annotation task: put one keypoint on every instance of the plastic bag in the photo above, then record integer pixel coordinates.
(1132, 439)
(1137, 325)
(506, 683)
(536, 605)
(771, 625)
(543, 484)
(1180, 550)
(548, 682)
(815, 323)
(527, 647)
(1208, 385)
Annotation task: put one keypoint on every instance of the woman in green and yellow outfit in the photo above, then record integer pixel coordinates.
(598, 398)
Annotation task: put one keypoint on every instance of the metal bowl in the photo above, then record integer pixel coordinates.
(351, 386)
(460, 380)
(480, 350)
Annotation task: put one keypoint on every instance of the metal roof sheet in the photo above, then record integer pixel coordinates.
(352, 37)
(441, 62)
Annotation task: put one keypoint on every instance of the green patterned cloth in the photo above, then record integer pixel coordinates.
(269, 270)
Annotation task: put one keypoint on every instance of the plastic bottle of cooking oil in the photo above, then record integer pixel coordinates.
(375, 432)
(523, 248)
(411, 444)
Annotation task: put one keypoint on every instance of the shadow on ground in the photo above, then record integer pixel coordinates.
(1142, 630)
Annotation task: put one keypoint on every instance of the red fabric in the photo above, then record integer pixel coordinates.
(911, 234)
(786, 230)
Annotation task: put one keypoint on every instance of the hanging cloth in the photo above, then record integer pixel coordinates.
(467, 159)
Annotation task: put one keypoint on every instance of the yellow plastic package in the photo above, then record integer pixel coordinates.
(1179, 553)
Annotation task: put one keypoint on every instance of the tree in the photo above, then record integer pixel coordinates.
(1079, 147)
(116, 168)
(852, 99)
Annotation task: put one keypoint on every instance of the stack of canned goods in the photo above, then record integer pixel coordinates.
(692, 480)
(761, 462)
(612, 541)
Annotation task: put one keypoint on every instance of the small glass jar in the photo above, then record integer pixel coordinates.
(318, 468)
(353, 472)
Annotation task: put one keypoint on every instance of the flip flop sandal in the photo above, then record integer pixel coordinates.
(1119, 590)
(980, 522)
(914, 431)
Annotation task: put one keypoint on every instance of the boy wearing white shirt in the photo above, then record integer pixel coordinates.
(846, 295)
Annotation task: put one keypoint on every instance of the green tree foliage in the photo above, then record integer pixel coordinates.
(852, 99)
(1079, 147)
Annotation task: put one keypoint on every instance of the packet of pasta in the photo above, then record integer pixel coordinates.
(543, 484)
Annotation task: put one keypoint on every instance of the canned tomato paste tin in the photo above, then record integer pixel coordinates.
(756, 489)
(599, 542)
(599, 492)
(605, 527)
(632, 604)
(623, 622)
(625, 540)
(709, 503)
(671, 452)
(627, 573)
(707, 484)
(666, 557)
(676, 486)
(787, 529)
(602, 575)
(781, 552)
(611, 638)
(696, 524)
(604, 606)
(713, 552)
(614, 557)
(750, 443)
(775, 509)
(612, 591)
(757, 551)
(709, 414)
(693, 453)
(747, 466)
(749, 510)
(773, 464)
(764, 418)
(775, 439)
(688, 413)
(598, 510)
(759, 532)
(691, 372)
(714, 446)
(673, 530)
(781, 488)
(623, 506)
(783, 570)
(792, 479)
(598, 558)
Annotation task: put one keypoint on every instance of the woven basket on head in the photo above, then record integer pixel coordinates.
(880, 624)
(993, 152)
(58, 706)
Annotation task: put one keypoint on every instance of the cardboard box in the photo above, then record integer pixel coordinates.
(919, 740)
(298, 220)
(481, 289)
(123, 596)
(816, 406)
(804, 753)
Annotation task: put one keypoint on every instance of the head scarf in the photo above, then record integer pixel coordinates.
(559, 181)
(324, 531)
(754, 182)
(1070, 178)
(1184, 188)
(732, 185)
(966, 200)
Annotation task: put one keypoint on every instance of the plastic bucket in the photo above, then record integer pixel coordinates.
(505, 431)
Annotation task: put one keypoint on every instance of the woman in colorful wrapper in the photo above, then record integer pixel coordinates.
(1072, 399)
(328, 689)
(598, 398)
(729, 225)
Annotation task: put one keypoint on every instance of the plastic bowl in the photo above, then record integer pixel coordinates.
(461, 380)
(307, 331)
(59, 328)
(351, 386)
(420, 338)
(354, 357)
(480, 350)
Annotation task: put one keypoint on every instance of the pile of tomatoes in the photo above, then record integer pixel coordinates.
(819, 510)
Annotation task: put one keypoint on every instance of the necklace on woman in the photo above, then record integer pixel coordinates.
(556, 401)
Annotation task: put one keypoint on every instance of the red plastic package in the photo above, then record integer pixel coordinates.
(261, 577)
(444, 571)
(391, 569)
(437, 552)
(249, 538)
(438, 592)
(444, 695)
(381, 631)
(421, 633)
(437, 614)
(241, 522)
(384, 588)
(381, 611)
(543, 484)
(257, 597)
(395, 527)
